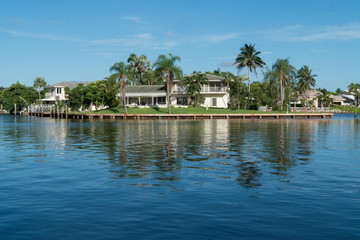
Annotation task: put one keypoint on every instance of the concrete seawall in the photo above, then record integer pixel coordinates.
(184, 116)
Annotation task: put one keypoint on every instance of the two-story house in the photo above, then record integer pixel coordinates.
(216, 94)
(57, 91)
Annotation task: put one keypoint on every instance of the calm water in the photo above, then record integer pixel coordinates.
(204, 179)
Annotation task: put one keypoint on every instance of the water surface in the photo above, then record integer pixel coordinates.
(186, 179)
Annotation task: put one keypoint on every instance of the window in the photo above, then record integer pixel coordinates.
(213, 102)
(58, 90)
(182, 101)
(161, 100)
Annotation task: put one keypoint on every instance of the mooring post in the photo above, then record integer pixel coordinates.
(15, 109)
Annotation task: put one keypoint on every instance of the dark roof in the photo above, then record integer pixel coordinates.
(210, 77)
(146, 89)
(70, 84)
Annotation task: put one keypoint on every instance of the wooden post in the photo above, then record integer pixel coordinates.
(15, 109)
(66, 112)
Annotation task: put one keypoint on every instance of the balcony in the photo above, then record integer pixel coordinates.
(183, 90)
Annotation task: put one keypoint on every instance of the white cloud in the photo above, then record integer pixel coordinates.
(171, 34)
(217, 38)
(300, 33)
(165, 45)
(145, 36)
(134, 19)
(226, 64)
(42, 36)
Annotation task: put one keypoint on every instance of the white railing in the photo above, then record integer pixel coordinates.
(40, 108)
(183, 90)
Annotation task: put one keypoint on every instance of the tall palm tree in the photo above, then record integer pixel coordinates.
(165, 66)
(139, 64)
(39, 82)
(194, 84)
(282, 72)
(306, 80)
(249, 57)
(121, 69)
(355, 89)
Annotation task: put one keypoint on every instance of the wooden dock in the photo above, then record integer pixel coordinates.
(183, 116)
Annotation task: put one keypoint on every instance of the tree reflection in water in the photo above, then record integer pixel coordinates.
(159, 152)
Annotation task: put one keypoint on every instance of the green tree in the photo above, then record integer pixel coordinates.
(306, 80)
(194, 84)
(354, 88)
(237, 91)
(12, 94)
(338, 91)
(39, 83)
(324, 98)
(249, 57)
(139, 64)
(282, 72)
(121, 69)
(166, 66)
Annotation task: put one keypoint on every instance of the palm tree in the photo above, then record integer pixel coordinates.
(121, 69)
(306, 80)
(194, 84)
(139, 64)
(324, 97)
(39, 82)
(248, 57)
(282, 72)
(236, 89)
(355, 89)
(165, 66)
(228, 78)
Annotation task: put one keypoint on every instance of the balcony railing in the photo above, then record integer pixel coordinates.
(183, 90)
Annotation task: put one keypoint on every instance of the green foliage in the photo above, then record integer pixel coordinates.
(39, 83)
(165, 66)
(194, 84)
(11, 96)
(237, 92)
(101, 92)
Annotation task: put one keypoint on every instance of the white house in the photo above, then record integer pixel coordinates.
(57, 91)
(216, 94)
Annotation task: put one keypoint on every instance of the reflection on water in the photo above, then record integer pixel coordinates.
(157, 176)
(161, 151)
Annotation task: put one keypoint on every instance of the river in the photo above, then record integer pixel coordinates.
(179, 179)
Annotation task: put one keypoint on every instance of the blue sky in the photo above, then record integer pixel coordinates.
(80, 40)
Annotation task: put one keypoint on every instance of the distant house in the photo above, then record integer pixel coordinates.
(338, 100)
(57, 91)
(215, 94)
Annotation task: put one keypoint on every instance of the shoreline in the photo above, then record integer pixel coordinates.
(185, 116)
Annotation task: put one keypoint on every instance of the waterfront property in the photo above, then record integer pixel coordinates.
(57, 91)
(215, 94)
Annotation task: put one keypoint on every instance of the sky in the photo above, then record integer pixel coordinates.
(79, 40)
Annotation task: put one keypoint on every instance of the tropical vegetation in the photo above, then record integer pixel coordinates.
(282, 84)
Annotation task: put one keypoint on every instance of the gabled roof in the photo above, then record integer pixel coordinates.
(145, 91)
(69, 84)
(146, 88)
(210, 77)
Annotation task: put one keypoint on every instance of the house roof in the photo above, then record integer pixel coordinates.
(337, 98)
(70, 84)
(146, 91)
(210, 77)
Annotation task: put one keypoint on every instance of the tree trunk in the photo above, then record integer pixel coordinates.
(168, 90)
(355, 107)
(123, 93)
(248, 100)
(281, 93)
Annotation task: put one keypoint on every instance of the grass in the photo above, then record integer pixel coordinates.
(189, 110)
(346, 109)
